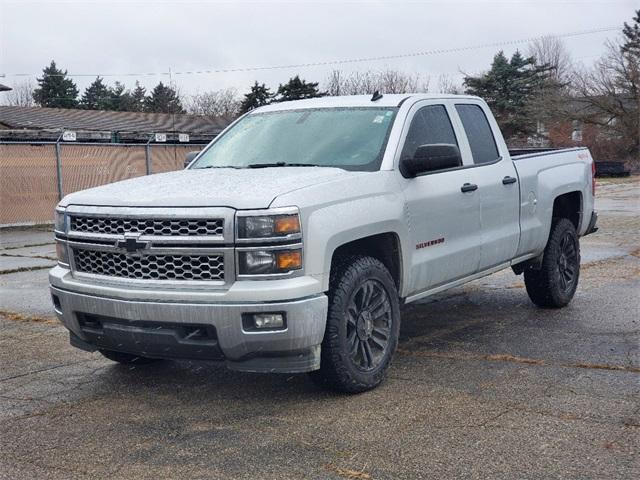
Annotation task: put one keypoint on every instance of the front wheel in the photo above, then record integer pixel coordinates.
(363, 326)
(554, 285)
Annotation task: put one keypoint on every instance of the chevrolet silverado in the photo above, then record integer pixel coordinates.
(291, 241)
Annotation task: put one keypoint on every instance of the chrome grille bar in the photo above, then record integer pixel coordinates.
(147, 226)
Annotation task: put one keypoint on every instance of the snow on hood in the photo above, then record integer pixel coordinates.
(224, 187)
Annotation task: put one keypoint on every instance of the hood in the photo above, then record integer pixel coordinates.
(224, 187)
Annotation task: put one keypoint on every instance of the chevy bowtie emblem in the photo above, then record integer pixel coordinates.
(131, 243)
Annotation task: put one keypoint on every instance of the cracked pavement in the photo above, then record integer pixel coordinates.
(484, 385)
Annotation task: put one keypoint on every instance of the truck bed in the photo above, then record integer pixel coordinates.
(524, 153)
(554, 171)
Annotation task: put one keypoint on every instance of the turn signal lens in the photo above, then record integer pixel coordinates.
(61, 252)
(289, 260)
(287, 224)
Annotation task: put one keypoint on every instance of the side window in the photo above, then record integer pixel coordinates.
(481, 140)
(430, 125)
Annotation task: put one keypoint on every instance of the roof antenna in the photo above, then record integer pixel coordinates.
(376, 96)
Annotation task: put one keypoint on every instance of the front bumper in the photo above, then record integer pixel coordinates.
(174, 329)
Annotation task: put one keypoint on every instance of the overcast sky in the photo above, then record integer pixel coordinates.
(107, 37)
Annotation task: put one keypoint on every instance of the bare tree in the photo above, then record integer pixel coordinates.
(608, 96)
(447, 85)
(365, 83)
(551, 106)
(552, 51)
(21, 95)
(393, 81)
(218, 103)
(335, 83)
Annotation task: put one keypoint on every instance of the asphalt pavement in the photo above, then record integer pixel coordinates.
(484, 385)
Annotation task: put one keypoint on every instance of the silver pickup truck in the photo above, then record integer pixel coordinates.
(291, 241)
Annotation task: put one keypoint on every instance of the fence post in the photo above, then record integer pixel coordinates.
(147, 154)
(59, 166)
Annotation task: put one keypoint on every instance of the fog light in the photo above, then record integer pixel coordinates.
(254, 322)
(268, 320)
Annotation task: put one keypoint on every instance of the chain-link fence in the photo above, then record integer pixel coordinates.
(34, 176)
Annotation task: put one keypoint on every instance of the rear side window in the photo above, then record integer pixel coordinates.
(430, 125)
(481, 140)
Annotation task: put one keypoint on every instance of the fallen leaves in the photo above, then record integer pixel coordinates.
(348, 473)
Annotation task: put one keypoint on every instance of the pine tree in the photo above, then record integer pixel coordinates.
(257, 97)
(138, 97)
(296, 89)
(96, 96)
(163, 99)
(55, 89)
(121, 98)
(509, 88)
(631, 37)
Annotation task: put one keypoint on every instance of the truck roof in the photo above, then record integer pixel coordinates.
(387, 100)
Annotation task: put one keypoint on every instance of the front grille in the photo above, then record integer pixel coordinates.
(148, 226)
(150, 267)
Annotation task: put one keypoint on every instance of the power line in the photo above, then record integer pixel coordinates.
(333, 62)
(393, 57)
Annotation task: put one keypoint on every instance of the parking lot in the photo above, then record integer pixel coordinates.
(484, 385)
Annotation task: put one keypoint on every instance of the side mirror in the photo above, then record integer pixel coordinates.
(189, 157)
(428, 158)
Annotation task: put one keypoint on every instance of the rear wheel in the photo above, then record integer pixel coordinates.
(127, 358)
(554, 285)
(363, 325)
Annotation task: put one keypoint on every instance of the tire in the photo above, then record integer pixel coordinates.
(554, 285)
(363, 326)
(127, 358)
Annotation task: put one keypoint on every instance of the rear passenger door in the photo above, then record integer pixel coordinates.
(443, 218)
(498, 187)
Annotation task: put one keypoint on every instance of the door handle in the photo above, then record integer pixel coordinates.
(468, 187)
(509, 180)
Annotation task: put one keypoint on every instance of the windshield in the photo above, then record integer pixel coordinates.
(349, 138)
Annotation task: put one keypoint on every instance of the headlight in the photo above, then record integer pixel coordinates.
(269, 262)
(59, 221)
(268, 226)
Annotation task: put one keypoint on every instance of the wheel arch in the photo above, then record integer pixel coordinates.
(566, 205)
(385, 246)
(569, 205)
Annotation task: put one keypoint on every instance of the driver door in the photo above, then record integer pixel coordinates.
(444, 220)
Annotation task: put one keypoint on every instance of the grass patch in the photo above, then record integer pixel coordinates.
(348, 473)
(42, 257)
(29, 246)
(633, 178)
(39, 227)
(20, 317)
(501, 357)
(24, 269)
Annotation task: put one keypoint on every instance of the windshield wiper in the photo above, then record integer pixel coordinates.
(280, 164)
(215, 166)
